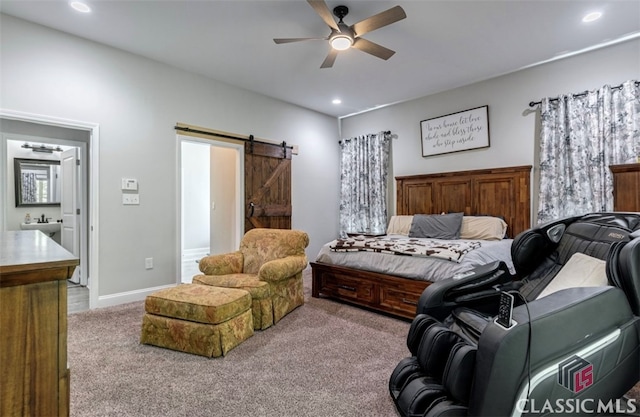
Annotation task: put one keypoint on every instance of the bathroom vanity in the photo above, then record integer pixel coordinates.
(33, 324)
(49, 229)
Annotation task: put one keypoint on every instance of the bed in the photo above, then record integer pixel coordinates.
(362, 278)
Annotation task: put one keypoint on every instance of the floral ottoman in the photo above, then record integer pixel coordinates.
(198, 319)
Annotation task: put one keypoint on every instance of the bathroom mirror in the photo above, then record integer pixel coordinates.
(37, 182)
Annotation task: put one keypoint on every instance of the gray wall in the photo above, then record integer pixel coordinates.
(512, 127)
(137, 102)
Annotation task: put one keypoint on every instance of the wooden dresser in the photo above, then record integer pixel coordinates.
(34, 375)
(626, 187)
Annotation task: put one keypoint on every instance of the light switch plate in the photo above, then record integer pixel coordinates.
(130, 199)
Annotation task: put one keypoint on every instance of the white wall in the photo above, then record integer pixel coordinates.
(137, 102)
(195, 195)
(512, 128)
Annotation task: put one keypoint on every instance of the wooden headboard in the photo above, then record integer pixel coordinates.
(500, 192)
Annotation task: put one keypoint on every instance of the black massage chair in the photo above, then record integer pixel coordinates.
(572, 352)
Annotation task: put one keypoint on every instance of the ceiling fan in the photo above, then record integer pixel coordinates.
(343, 37)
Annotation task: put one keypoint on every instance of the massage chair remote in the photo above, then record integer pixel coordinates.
(505, 310)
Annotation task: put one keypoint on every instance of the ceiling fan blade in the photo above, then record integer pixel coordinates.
(330, 59)
(323, 10)
(373, 48)
(289, 40)
(379, 20)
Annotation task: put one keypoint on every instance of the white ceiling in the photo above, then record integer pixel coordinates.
(439, 46)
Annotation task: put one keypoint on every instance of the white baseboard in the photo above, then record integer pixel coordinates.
(128, 297)
(189, 258)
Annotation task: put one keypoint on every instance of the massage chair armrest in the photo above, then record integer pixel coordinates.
(222, 264)
(439, 298)
(283, 268)
(546, 331)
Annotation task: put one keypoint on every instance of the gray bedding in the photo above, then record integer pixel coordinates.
(414, 267)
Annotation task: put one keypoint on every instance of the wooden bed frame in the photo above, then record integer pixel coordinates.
(500, 192)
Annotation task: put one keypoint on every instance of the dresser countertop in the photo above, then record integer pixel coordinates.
(27, 250)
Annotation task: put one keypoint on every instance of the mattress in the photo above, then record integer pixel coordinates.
(419, 267)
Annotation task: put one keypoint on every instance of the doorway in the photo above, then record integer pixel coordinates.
(211, 196)
(83, 138)
(64, 201)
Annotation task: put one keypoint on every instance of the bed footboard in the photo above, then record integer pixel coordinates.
(388, 294)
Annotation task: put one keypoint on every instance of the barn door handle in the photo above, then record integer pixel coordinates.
(252, 206)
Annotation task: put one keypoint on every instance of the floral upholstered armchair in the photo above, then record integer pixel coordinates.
(269, 265)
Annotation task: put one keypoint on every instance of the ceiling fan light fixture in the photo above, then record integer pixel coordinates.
(341, 42)
(343, 36)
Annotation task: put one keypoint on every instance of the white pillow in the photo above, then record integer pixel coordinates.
(483, 228)
(399, 225)
(581, 271)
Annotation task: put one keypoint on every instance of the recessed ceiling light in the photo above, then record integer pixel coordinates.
(80, 6)
(591, 17)
(336, 101)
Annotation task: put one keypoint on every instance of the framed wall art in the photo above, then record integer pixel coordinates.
(455, 132)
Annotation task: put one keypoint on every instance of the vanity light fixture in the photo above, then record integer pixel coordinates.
(80, 6)
(42, 148)
(590, 17)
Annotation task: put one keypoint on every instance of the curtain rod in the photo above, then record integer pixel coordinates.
(386, 132)
(222, 135)
(584, 93)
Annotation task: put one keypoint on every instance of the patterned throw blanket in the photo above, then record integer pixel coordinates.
(449, 250)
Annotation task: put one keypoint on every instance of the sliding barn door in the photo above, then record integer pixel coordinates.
(267, 186)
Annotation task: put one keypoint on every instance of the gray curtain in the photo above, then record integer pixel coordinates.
(581, 135)
(363, 174)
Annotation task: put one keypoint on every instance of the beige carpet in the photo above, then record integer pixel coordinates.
(323, 359)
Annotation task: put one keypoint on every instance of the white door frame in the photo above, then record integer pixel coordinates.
(93, 215)
(239, 191)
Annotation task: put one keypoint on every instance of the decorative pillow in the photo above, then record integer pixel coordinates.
(399, 225)
(436, 226)
(483, 227)
(581, 271)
